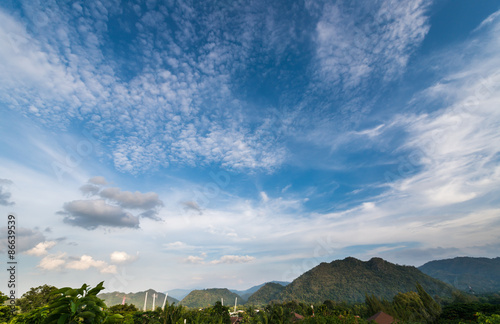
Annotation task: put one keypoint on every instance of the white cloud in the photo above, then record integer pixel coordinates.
(110, 269)
(122, 257)
(229, 259)
(85, 263)
(350, 52)
(194, 259)
(41, 248)
(53, 261)
(178, 245)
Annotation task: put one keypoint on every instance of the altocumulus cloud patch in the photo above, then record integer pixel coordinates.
(110, 207)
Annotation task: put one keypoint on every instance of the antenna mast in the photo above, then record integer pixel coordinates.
(145, 300)
(164, 302)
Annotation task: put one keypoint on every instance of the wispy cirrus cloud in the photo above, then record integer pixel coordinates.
(350, 53)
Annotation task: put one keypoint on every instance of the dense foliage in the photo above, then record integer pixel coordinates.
(267, 293)
(208, 297)
(479, 275)
(49, 305)
(411, 306)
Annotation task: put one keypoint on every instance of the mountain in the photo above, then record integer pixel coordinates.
(482, 275)
(136, 299)
(351, 279)
(267, 292)
(208, 297)
(179, 293)
(245, 294)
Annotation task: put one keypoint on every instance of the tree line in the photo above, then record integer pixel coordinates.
(50, 305)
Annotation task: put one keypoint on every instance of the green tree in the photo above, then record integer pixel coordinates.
(36, 297)
(79, 306)
(491, 319)
(171, 314)
(5, 310)
(431, 309)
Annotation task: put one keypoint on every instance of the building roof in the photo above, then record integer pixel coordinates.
(297, 317)
(236, 320)
(382, 318)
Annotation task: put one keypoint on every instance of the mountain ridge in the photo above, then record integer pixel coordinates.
(471, 274)
(137, 299)
(350, 280)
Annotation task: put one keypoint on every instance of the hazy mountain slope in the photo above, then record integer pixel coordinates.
(351, 279)
(481, 274)
(268, 292)
(137, 299)
(208, 297)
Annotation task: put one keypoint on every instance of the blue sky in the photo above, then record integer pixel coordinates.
(169, 144)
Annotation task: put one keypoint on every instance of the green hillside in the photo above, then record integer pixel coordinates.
(245, 294)
(208, 297)
(270, 291)
(137, 299)
(482, 275)
(351, 280)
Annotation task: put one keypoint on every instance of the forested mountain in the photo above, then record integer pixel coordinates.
(479, 275)
(208, 297)
(136, 299)
(268, 292)
(350, 280)
(245, 294)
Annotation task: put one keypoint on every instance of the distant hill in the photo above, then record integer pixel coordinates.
(245, 294)
(482, 275)
(208, 297)
(137, 299)
(351, 279)
(268, 292)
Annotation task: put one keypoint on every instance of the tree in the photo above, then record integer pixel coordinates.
(432, 309)
(79, 306)
(492, 319)
(36, 297)
(5, 310)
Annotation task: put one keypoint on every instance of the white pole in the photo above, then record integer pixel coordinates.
(154, 298)
(235, 301)
(164, 302)
(222, 301)
(145, 300)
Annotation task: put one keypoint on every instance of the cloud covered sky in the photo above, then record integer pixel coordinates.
(170, 144)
